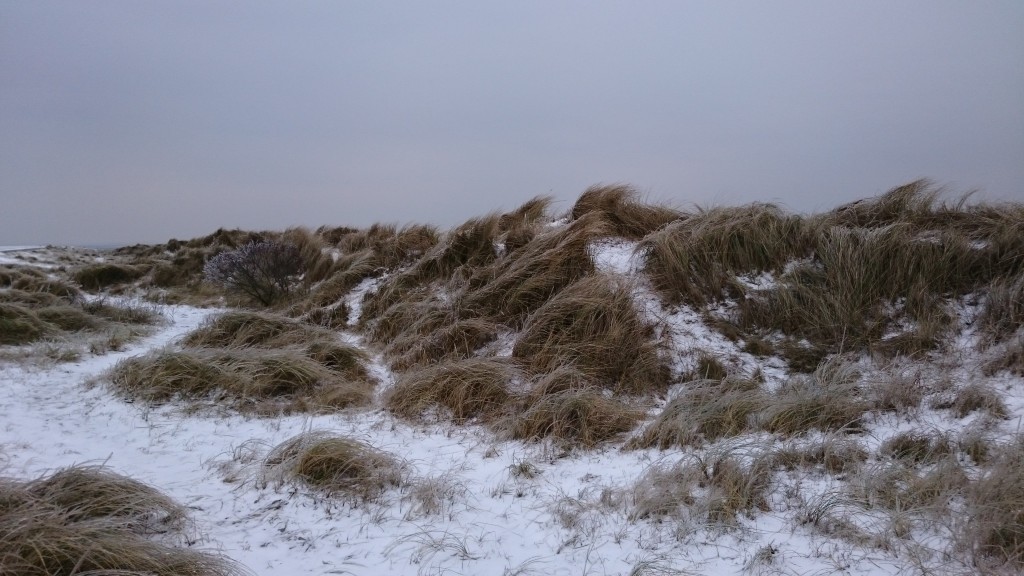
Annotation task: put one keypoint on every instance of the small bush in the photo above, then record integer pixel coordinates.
(263, 271)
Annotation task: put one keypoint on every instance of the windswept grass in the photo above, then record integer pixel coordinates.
(562, 406)
(335, 465)
(620, 207)
(593, 326)
(259, 381)
(239, 329)
(473, 388)
(706, 411)
(828, 400)
(20, 325)
(993, 531)
(105, 275)
(88, 520)
(695, 259)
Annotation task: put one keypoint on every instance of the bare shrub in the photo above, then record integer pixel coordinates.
(88, 520)
(593, 325)
(470, 388)
(263, 271)
(334, 464)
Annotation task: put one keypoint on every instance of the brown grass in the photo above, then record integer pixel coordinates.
(828, 400)
(106, 275)
(562, 406)
(1002, 314)
(620, 207)
(258, 381)
(993, 532)
(706, 411)
(240, 328)
(455, 341)
(334, 464)
(88, 520)
(694, 259)
(474, 388)
(20, 325)
(593, 326)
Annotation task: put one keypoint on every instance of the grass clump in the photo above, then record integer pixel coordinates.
(105, 275)
(713, 490)
(706, 411)
(88, 520)
(20, 325)
(334, 464)
(835, 454)
(828, 400)
(457, 340)
(259, 381)
(993, 532)
(1003, 312)
(239, 329)
(619, 206)
(563, 407)
(473, 388)
(695, 259)
(593, 326)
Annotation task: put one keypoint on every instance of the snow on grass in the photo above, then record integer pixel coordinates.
(472, 504)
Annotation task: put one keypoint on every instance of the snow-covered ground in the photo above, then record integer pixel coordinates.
(504, 507)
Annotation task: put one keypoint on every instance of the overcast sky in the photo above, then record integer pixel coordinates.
(137, 121)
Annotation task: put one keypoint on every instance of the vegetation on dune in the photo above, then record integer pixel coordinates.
(334, 464)
(88, 520)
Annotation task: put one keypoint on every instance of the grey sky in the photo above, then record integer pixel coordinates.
(138, 121)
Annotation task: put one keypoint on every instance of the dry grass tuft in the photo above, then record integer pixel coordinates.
(20, 325)
(593, 326)
(563, 407)
(513, 287)
(835, 454)
(334, 464)
(471, 388)
(706, 411)
(993, 532)
(239, 328)
(455, 341)
(714, 491)
(1010, 358)
(87, 520)
(694, 259)
(916, 447)
(105, 275)
(827, 400)
(978, 397)
(1003, 312)
(259, 381)
(621, 208)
